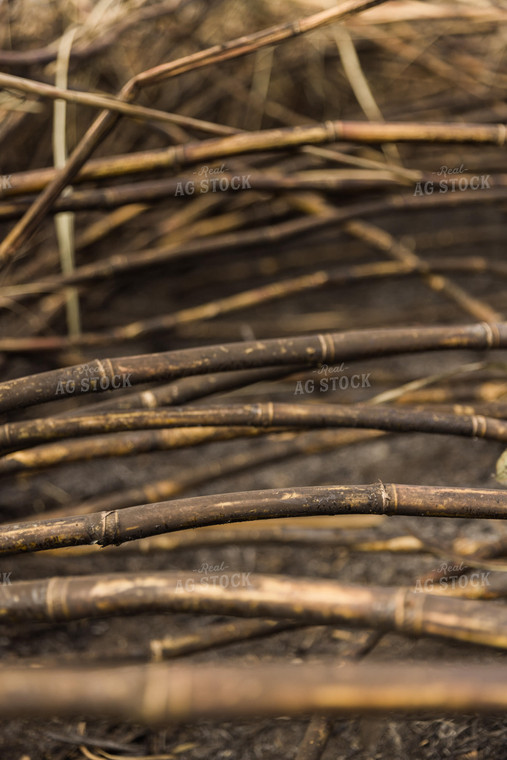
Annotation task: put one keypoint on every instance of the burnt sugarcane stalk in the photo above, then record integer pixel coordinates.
(118, 526)
(245, 594)
(158, 693)
(150, 191)
(263, 415)
(107, 374)
(177, 156)
(305, 529)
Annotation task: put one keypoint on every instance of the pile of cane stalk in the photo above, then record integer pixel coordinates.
(187, 274)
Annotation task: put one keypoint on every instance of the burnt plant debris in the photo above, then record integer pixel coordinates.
(253, 386)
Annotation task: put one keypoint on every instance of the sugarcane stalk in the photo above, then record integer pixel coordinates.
(261, 415)
(118, 526)
(158, 693)
(245, 594)
(284, 352)
(154, 190)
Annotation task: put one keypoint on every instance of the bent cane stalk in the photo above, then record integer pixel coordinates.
(263, 415)
(312, 600)
(283, 352)
(118, 526)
